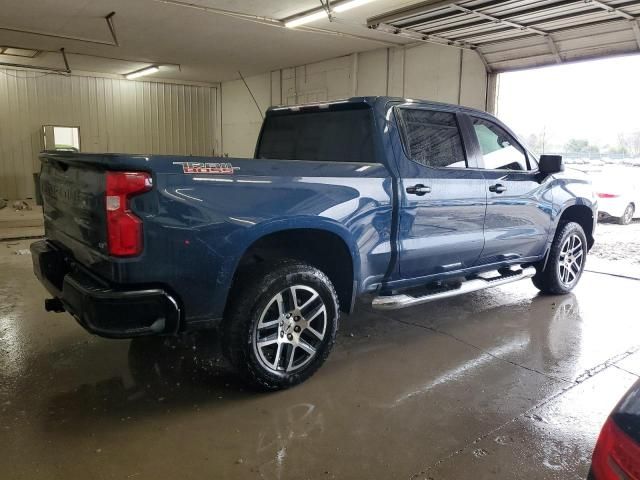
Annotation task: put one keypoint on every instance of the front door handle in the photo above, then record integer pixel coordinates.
(418, 189)
(497, 188)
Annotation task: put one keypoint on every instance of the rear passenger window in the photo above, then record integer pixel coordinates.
(432, 138)
(499, 149)
(319, 135)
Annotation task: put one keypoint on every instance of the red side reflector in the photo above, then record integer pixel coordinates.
(124, 228)
(616, 456)
(607, 195)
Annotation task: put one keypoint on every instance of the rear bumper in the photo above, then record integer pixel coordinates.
(613, 207)
(106, 310)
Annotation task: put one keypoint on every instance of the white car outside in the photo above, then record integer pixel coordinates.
(618, 198)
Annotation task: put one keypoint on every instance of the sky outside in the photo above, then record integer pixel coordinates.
(595, 100)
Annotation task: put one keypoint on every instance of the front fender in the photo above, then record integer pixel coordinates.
(568, 192)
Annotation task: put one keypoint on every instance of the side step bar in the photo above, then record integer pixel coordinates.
(402, 300)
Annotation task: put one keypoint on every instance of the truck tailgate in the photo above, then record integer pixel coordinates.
(73, 196)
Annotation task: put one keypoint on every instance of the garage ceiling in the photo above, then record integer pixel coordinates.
(196, 40)
(210, 41)
(520, 33)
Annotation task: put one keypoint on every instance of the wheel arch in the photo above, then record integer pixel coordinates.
(581, 214)
(328, 249)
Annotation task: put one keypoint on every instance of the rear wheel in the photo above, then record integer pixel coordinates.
(566, 261)
(281, 325)
(627, 216)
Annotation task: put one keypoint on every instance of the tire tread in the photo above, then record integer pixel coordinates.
(546, 280)
(238, 322)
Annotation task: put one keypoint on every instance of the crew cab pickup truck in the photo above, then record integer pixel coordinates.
(406, 201)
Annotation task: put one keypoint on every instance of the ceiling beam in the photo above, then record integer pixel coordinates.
(611, 9)
(477, 37)
(110, 26)
(507, 18)
(268, 21)
(65, 70)
(419, 9)
(34, 67)
(419, 36)
(498, 20)
(557, 30)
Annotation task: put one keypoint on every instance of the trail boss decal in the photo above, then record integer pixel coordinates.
(199, 167)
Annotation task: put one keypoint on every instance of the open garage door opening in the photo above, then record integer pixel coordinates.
(587, 112)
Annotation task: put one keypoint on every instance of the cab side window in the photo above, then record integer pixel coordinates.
(432, 138)
(499, 149)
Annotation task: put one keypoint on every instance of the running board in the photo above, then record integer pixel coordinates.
(393, 302)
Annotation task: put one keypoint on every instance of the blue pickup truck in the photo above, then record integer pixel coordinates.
(406, 201)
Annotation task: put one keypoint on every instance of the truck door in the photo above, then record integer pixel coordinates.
(518, 218)
(442, 203)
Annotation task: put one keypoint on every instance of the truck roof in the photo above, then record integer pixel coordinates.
(371, 101)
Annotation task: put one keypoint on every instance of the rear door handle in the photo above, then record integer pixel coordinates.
(418, 189)
(497, 188)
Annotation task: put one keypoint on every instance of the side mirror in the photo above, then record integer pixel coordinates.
(550, 164)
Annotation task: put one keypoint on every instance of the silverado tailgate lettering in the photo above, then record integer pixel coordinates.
(204, 167)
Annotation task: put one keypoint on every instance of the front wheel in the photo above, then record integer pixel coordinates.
(566, 261)
(281, 324)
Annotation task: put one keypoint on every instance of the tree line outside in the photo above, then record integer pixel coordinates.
(627, 145)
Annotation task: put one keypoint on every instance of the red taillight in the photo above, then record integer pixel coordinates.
(124, 229)
(616, 456)
(607, 195)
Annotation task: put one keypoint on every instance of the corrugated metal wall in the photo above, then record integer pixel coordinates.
(113, 116)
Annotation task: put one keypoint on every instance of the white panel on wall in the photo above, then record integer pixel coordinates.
(426, 71)
(473, 91)
(372, 73)
(432, 73)
(113, 115)
(328, 80)
(396, 71)
(241, 118)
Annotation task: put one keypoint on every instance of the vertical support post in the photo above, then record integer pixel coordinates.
(636, 30)
(219, 146)
(354, 74)
(386, 84)
(492, 93)
(460, 76)
(554, 49)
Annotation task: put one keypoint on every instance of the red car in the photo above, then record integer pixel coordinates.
(617, 453)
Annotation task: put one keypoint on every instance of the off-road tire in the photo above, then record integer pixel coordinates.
(256, 287)
(547, 279)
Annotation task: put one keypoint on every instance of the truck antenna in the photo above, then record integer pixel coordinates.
(251, 93)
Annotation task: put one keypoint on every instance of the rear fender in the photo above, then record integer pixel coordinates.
(240, 242)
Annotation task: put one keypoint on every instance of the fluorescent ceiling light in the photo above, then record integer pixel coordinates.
(312, 17)
(321, 13)
(142, 73)
(344, 6)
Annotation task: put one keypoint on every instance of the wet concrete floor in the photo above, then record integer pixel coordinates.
(503, 383)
